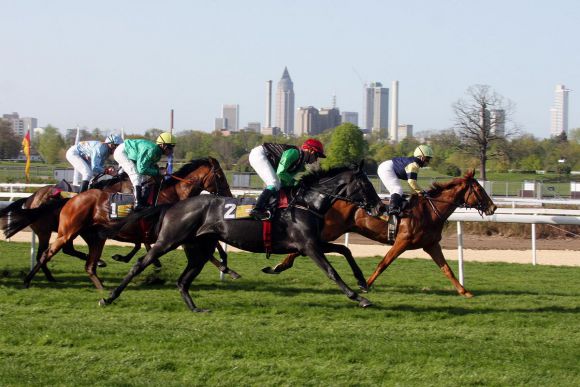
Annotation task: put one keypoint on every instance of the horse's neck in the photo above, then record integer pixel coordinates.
(443, 205)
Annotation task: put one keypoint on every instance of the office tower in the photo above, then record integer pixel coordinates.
(220, 124)
(21, 125)
(285, 104)
(254, 126)
(306, 121)
(376, 107)
(559, 112)
(328, 118)
(394, 128)
(351, 117)
(404, 131)
(232, 115)
(268, 104)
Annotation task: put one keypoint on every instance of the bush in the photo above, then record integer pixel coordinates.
(449, 169)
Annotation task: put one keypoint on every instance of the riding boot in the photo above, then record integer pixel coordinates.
(139, 199)
(395, 204)
(260, 210)
(84, 186)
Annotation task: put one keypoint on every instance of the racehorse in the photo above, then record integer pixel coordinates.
(198, 223)
(85, 213)
(421, 227)
(43, 227)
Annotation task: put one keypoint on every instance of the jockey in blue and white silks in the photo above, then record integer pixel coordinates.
(403, 168)
(88, 157)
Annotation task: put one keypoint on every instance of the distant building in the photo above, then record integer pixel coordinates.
(497, 122)
(21, 125)
(376, 107)
(351, 117)
(307, 121)
(404, 131)
(254, 126)
(285, 104)
(328, 118)
(231, 113)
(559, 111)
(220, 123)
(273, 131)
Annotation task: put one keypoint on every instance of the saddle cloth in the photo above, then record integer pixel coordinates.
(121, 205)
(239, 208)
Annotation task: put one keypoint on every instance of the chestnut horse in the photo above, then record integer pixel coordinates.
(45, 226)
(420, 227)
(85, 213)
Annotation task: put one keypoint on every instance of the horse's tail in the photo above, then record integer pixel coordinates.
(12, 207)
(19, 218)
(112, 229)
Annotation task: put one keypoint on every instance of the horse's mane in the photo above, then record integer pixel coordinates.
(314, 175)
(185, 170)
(438, 188)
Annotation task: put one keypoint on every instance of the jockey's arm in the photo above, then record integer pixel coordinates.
(412, 172)
(97, 160)
(146, 164)
(288, 158)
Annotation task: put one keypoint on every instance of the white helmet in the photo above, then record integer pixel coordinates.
(114, 139)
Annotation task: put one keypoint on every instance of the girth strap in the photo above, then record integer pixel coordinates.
(267, 237)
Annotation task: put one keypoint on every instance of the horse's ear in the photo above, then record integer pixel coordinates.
(470, 174)
(361, 165)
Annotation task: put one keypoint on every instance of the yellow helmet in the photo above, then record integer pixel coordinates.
(423, 150)
(166, 138)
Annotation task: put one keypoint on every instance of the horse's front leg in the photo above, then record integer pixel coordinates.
(286, 264)
(356, 271)
(197, 257)
(127, 258)
(437, 255)
(398, 248)
(314, 251)
(43, 243)
(96, 245)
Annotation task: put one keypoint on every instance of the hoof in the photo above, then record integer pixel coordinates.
(101, 263)
(364, 303)
(119, 258)
(200, 310)
(103, 302)
(235, 275)
(467, 294)
(363, 288)
(269, 270)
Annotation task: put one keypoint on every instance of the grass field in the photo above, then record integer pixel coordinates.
(521, 328)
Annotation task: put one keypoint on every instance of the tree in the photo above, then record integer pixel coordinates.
(480, 120)
(347, 146)
(10, 145)
(51, 145)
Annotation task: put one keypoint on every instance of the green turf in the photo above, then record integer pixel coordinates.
(294, 329)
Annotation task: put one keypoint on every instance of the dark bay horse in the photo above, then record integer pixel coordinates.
(421, 227)
(198, 224)
(85, 213)
(43, 227)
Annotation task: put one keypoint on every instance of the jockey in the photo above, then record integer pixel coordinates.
(88, 157)
(404, 168)
(139, 157)
(277, 164)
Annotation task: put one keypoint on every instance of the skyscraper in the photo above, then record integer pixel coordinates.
(231, 113)
(21, 125)
(285, 104)
(351, 117)
(376, 108)
(559, 112)
(307, 121)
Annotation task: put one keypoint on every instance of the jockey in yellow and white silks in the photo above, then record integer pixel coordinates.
(403, 168)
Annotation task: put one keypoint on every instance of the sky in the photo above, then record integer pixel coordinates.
(114, 64)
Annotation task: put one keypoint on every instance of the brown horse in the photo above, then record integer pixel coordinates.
(85, 213)
(420, 227)
(45, 226)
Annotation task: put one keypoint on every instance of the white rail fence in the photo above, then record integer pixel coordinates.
(511, 214)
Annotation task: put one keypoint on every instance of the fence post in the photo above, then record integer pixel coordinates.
(346, 239)
(32, 251)
(534, 244)
(460, 252)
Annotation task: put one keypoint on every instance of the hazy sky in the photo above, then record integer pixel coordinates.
(113, 64)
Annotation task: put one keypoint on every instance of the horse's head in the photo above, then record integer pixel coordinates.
(352, 185)
(476, 197)
(196, 176)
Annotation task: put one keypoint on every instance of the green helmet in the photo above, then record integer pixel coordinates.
(166, 138)
(423, 150)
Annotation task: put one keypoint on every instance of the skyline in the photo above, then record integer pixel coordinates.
(126, 65)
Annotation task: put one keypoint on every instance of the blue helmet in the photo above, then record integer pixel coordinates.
(114, 139)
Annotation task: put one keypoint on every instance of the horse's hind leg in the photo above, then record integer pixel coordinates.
(96, 245)
(223, 265)
(127, 258)
(286, 264)
(195, 263)
(45, 258)
(437, 255)
(398, 248)
(157, 250)
(69, 249)
(43, 242)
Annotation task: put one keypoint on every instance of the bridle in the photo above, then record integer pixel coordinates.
(481, 207)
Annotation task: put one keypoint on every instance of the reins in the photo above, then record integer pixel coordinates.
(479, 206)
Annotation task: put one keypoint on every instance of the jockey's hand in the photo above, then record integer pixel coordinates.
(162, 171)
(424, 193)
(110, 171)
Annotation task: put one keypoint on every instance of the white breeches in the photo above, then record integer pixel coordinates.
(128, 165)
(84, 168)
(263, 168)
(390, 180)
